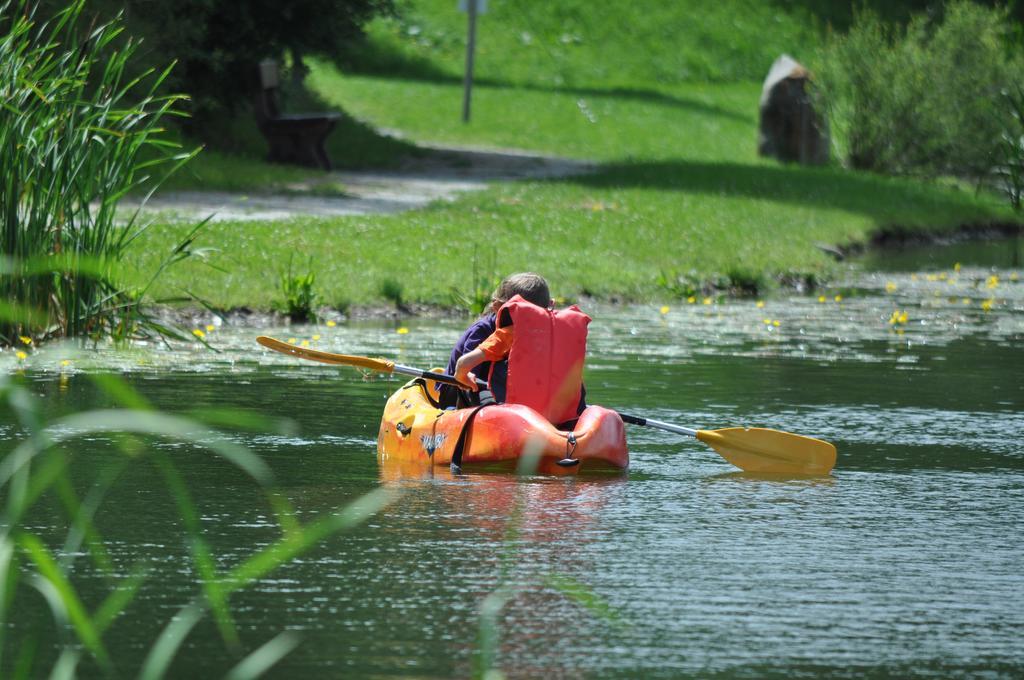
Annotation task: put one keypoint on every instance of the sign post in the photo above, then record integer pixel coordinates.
(472, 8)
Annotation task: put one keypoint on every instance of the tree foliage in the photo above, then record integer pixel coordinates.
(923, 99)
(218, 44)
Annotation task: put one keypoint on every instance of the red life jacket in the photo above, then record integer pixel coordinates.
(545, 364)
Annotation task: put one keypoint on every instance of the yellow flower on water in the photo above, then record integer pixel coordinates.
(767, 322)
(25, 340)
(691, 299)
(316, 337)
(943, 276)
(198, 333)
(65, 363)
(331, 324)
(956, 267)
(21, 355)
(210, 328)
(890, 287)
(822, 298)
(292, 341)
(838, 298)
(992, 282)
(775, 323)
(966, 301)
(932, 277)
(707, 301)
(760, 304)
(897, 317)
(304, 343)
(986, 305)
(664, 309)
(402, 331)
(1013, 276)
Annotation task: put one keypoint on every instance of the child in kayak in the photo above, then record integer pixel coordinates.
(544, 350)
(531, 287)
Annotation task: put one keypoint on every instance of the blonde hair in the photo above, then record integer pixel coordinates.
(532, 287)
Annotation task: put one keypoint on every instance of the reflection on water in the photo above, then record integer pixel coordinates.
(1005, 253)
(905, 560)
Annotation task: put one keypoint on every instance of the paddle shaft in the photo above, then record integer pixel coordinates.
(647, 422)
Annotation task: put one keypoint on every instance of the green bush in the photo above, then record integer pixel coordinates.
(921, 100)
(1008, 173)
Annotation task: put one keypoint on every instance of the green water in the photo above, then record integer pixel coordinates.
(906, 560)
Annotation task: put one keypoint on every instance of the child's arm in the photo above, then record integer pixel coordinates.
(466, 363)
(494, 348)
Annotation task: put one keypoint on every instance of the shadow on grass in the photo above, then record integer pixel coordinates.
(353, 144)
(890, 201)
(400, 67)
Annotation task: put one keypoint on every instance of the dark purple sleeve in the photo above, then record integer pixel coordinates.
(473, 336)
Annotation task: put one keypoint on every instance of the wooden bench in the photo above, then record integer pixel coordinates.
(293, 137)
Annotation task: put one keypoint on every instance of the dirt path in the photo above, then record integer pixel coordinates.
(442, 173)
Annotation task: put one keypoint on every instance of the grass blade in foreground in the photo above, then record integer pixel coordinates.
(39, 465)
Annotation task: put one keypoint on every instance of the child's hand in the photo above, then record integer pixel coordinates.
(466, 363)
(467, 378)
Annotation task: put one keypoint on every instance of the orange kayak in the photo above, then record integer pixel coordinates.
(414, 429)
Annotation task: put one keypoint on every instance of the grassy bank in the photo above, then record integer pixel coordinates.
(679, 198)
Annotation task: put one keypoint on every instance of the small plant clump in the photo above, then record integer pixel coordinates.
(679, 285)
(744, 281)
(300, 300)
(392, 290)
(481, 289)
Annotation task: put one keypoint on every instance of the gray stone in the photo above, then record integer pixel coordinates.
(791, 129)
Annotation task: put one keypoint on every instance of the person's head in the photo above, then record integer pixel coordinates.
(532, 287)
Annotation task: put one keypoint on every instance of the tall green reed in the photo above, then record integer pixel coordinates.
(42, 468)
(78, 131)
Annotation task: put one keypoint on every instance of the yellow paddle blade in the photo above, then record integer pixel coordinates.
(382, 365)
(756, 449)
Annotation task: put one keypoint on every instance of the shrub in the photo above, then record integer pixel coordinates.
(921, 99)
(1008, 172)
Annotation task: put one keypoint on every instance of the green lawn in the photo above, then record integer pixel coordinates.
(679, 195)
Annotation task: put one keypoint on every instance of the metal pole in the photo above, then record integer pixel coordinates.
(467, 83)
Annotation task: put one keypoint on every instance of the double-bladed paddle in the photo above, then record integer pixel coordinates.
(752, 449)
